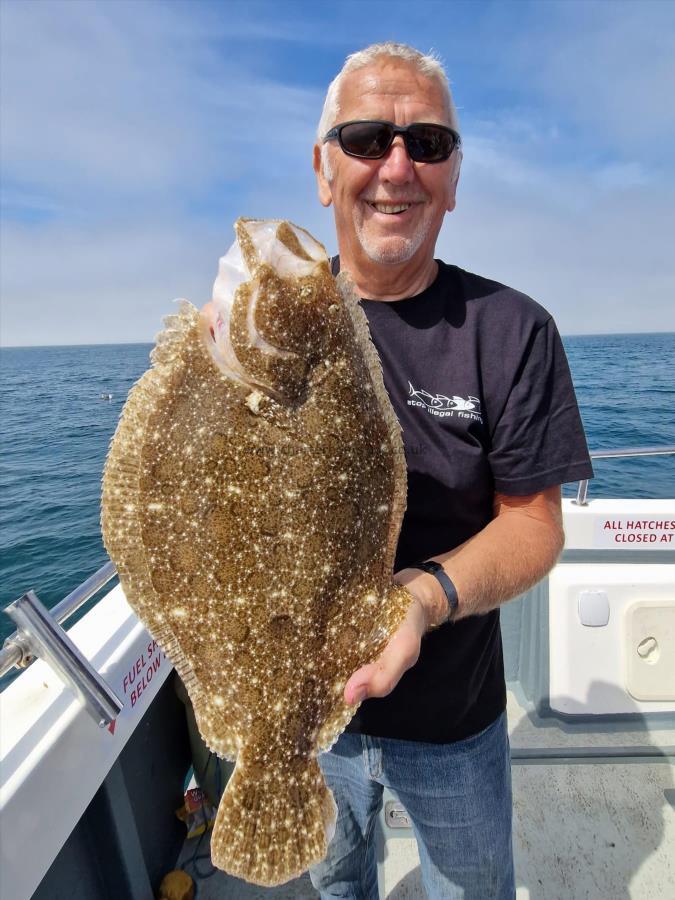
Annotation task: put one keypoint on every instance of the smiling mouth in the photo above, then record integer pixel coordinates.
(389, 209)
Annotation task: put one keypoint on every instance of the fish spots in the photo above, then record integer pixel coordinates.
(277, 511)
(346, 638)
(271, 520)
(202, 586)
(221, 523)
(280, 554)
(229, 465)
(254, 465)
(154, 534)
(189, 503)
(219, 445)
(165, 471)
(287, 236)
(234, 629)
(185, 557)
(249, 695)
(301, 718)
(303, 471)
(258, 578)
(167, 489)
(313, 544)
(281, 627)
(178, 525)
(163, 581)
(147, 482)
(343, 514)
(249, 463)
(273, 436)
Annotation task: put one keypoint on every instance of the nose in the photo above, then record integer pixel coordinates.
(397, 167)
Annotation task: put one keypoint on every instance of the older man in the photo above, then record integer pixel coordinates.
(478, 378)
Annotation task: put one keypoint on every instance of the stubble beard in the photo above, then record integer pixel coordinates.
(390, 251)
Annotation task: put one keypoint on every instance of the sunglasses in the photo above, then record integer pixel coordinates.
(424, 141)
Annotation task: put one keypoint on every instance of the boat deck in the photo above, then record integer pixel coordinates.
(591, 711)
(608, 791)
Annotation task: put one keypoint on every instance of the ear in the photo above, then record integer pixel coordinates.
(454, 178)
(322, 183)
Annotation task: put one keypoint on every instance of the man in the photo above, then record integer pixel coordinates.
(478, 378)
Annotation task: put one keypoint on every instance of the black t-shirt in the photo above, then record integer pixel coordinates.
(479, 381)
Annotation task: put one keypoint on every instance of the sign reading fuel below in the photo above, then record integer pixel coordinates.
(142, 671)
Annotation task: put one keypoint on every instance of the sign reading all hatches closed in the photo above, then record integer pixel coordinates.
(629, 532)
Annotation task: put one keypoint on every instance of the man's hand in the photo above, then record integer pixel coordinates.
(513, 552)
(401, 653)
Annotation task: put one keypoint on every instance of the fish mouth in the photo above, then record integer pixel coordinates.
(292, 253)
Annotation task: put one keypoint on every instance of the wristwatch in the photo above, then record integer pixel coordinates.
(436, 569)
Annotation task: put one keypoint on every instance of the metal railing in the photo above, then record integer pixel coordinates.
(621, 453)
(15, 650)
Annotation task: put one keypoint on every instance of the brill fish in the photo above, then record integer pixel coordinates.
(252, 501)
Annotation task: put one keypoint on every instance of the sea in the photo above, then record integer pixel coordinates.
(59, 407)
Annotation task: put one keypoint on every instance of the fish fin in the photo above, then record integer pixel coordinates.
(271, 829)
(393, 610)
(169, 340)
(364, 340)
(120, 516)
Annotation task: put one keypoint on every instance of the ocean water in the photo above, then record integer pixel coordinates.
(56, 428)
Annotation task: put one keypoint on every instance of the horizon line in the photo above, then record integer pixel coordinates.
(152, 343)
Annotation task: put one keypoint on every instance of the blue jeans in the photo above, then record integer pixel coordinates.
(458, 798)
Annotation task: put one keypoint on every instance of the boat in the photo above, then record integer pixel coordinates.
(98, 739)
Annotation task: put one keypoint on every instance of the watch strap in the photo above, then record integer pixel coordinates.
(436, 569)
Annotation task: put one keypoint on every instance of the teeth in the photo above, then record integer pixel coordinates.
(391, 208)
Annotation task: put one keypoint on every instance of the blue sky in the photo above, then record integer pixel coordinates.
(135, 132)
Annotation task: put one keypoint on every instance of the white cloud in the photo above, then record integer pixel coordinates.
(109, 285)
(623, 176)
(130, 145)
(131, 99)
(609, 67)
(594, 248)
(135, 133)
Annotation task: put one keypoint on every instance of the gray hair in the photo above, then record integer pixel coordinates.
(428, 64)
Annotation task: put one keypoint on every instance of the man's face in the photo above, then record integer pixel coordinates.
(365, 192)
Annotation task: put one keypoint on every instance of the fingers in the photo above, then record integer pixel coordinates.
(381, 677)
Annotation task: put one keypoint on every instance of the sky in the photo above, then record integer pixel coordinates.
(133, 133)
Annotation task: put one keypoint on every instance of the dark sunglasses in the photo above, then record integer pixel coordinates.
(424, 141)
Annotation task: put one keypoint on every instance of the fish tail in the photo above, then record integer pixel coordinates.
(272, 826)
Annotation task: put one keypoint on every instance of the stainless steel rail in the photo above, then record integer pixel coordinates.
(50, 642)
(15, 650)
(621, 453)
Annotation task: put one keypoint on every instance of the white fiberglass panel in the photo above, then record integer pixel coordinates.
(591, 668)
(650, 650)
(620, 525)
(53, 757)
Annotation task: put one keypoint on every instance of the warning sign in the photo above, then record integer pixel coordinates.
(629, 533)
(142, 671)
(139, 677)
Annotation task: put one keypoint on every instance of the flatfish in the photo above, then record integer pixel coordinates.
(252, 500)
